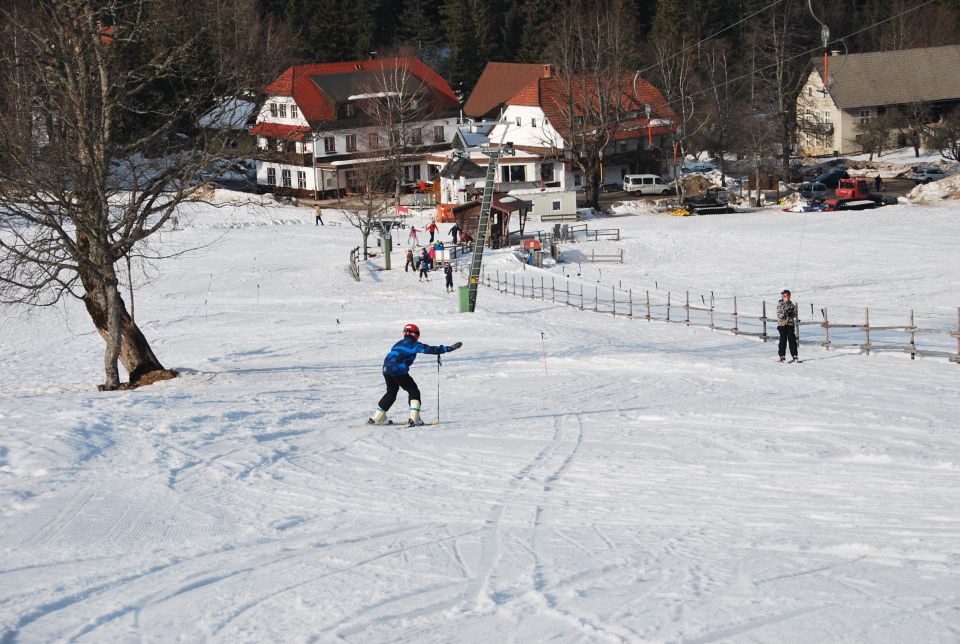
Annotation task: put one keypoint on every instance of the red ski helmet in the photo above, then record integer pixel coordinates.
(411, 331)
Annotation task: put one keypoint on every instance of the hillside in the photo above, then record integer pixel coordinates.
(592, 478)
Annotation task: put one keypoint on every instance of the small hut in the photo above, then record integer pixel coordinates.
(502, 208)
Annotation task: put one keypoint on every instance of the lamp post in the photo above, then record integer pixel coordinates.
(646, 108)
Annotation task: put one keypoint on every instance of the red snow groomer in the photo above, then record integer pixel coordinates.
(854, 194)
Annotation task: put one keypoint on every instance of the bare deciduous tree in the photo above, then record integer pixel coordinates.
(945, 135)
(591, 50)
(400, 107)
(94, 97)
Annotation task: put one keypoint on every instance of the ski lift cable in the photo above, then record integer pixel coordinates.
(809, 51)
(710, 37)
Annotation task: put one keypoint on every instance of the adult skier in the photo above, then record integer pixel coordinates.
(786, 320)
(396, 374)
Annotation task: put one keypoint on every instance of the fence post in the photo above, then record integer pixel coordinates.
(553, 289)
(514, 283)
(866, 327)
(826, 329)
(630, 299)
(613, 289)
(736, 318)
(596, 298)
(568, 293)
(687, 307)
(763, 318)
(581, 296)
(543, 296)
(498, 280)
(668, 306)
(957, 333)
(913, 337)
(711, 310)
(648, 305)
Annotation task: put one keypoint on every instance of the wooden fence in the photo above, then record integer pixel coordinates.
(940, 339)
(355, 263)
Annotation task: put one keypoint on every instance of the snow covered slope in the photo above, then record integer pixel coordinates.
(591, 479)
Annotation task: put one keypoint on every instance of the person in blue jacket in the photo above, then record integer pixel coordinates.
(396, 373)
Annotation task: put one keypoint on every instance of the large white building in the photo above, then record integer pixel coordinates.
(319, 123)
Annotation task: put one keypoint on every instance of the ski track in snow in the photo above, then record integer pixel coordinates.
(663, 483)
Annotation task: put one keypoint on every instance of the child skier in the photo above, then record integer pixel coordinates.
(448, 275)
(432, 229)
(396, 373)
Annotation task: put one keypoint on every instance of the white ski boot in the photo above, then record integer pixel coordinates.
(415, 419)
(379, 418)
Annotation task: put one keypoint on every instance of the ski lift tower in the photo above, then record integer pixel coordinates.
(494, 155)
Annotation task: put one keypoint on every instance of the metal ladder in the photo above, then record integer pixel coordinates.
(485, 206)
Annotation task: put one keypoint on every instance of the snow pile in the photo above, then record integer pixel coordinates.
(637, 207)
(929, 193)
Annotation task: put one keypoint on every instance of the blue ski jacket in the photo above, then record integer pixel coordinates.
(404, 352)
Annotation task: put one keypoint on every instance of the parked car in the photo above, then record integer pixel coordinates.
(813, 190)
(698, 168)
(646, 184)
(831, 178)
(926, 175)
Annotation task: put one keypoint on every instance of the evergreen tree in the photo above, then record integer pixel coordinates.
(538, 20)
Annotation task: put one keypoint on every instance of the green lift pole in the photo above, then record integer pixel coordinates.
(479, 242)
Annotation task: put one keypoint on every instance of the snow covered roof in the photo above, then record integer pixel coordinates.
(232, 114)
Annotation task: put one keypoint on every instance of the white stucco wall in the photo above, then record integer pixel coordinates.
(533, 129)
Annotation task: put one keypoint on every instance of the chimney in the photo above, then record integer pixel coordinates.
(547, 71)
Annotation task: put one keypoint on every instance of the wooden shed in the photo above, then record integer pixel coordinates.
(502, 209)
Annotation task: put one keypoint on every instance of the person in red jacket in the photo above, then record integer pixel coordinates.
(432, 229)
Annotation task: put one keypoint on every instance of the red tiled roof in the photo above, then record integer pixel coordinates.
(549, 95)
(497, 83)
(280, 131)
(316, 107)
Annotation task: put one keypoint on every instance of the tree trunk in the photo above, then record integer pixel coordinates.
(135, 353)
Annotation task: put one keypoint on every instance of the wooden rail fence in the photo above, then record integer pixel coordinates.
(941, 341)
(355, 263)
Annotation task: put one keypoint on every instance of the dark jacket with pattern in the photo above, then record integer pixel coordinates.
(403, 353)
(786, 313)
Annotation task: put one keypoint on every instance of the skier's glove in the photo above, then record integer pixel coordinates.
(455, 346)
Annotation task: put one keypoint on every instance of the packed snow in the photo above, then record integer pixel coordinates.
(591, 478)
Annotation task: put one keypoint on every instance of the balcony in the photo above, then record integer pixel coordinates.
(303, 159)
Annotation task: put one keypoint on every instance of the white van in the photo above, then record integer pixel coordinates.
(646, 184)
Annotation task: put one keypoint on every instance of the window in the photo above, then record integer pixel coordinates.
(292, 147)
(578, 120)
(555, 205)
(416, 136)
(438, 134)
(351, 143)
(864, 116)
(622, 146)
(301, 179)
(273, 110)
(519, 121)
(546, 172)
(346, 111)
(412, 172)
(293, 111)
(283, 110)
(271, 176)
(285, 175)
(577, 180)
(533, 122)
(373, 141)
(511, 173)
(329, 144)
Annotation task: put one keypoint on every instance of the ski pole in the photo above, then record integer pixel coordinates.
(439, 362)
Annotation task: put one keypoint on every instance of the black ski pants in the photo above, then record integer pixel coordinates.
(787, 334)
(394, 384)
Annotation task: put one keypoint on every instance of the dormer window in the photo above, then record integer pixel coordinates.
(283, 110)
(293, 111)
(347, 110)
(273, 110)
